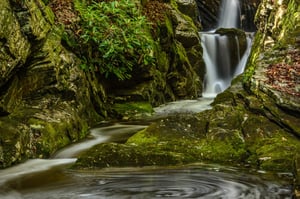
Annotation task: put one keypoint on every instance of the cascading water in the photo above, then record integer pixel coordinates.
(229, 14)
(222, 55)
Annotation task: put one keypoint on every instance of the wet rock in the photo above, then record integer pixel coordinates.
(189, 7)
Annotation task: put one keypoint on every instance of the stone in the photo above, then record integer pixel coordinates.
(188, 7)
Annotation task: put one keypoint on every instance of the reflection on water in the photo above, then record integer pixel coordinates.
(189, 182)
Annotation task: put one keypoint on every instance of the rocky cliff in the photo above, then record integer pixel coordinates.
(45, 99)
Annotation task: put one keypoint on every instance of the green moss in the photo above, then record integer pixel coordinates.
(142, 138)
(163, 62)
(224, 152)
(224, 97)
(116, 155)
(256, 51)
(289, 27)
(160, 146)
(41, 20)
(269, 146)
(55, 135)
(133, 109)
(15, 141)
(168, 24)
(278, 153)
(142, 150)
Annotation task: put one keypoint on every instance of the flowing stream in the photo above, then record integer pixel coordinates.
(51, 179)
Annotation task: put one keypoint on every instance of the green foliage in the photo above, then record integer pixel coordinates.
(114, 37)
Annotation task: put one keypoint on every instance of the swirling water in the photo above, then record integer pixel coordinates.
(51, 179)
(199, 181)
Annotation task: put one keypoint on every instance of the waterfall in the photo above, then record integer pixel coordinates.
(229, 14)
(222, 54)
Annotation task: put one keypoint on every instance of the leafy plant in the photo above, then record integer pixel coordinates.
(114, 37)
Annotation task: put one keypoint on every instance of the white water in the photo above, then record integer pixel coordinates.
(217, 54)
(229, 14)
(184, 106)
(99, 135)
(68, 155)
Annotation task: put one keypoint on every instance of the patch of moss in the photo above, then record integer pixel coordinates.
(116, 155)
(13, 143)
(167, 143)
(151, 151)
(131, 110)
(253, 57)
(142, 138)
(51, 136)
(277, 153)
(229, 151)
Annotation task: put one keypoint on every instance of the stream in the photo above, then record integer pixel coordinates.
(53, 178)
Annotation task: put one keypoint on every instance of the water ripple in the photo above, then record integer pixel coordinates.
(175, 183)
(192, 184)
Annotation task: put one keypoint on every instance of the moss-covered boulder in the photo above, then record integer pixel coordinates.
(45, 98)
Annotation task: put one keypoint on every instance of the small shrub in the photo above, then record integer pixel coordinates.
(114, 37)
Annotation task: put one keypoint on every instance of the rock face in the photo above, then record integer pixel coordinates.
(44, 97)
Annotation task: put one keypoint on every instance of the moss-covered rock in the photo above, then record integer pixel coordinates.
(133, 110)
(230, 133)
(45, 98)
